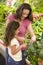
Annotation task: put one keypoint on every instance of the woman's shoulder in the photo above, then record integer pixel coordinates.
(11, 16)
(27, 22)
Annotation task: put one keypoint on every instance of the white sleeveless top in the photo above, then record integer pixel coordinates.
(18, 55)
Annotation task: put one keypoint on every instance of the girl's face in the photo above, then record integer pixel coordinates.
(24, 14)
(17, 31)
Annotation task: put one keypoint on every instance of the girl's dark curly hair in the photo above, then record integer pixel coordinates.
(19, 11)
(10, 31)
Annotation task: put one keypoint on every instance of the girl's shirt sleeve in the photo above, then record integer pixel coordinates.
(14, 42)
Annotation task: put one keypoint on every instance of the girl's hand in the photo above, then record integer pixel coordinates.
(24, 45)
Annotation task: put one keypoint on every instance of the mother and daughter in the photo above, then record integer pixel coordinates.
(17, 25)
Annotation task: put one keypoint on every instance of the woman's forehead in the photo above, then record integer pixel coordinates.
(25, 11)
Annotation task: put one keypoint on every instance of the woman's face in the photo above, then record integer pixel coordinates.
(24, 14)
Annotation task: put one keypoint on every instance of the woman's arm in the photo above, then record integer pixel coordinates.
(9, 18)
(7, 22)
(31, 32)
(21, 39)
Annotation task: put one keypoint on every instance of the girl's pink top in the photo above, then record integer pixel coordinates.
(23, 27)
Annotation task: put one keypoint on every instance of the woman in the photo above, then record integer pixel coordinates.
(24, 16)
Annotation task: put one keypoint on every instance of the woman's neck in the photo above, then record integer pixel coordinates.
(22, 19)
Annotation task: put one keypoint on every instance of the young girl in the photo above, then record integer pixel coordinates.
(14, 48)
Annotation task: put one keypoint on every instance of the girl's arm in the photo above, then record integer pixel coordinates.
(14, 50)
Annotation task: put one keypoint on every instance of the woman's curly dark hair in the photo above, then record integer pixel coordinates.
(19, 11)
(10, 31)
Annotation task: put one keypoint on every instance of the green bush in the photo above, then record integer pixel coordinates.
(4, 11)
(39, 10)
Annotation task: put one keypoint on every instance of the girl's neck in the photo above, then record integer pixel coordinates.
(16, 36)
